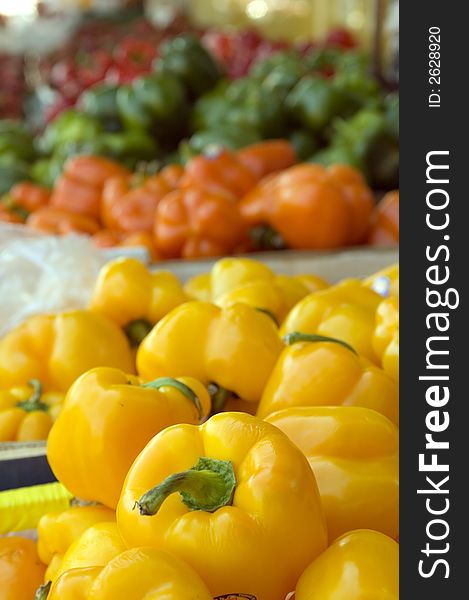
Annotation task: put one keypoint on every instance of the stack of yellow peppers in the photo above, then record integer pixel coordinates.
(187, 495)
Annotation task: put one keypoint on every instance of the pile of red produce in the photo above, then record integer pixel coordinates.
(12, 87)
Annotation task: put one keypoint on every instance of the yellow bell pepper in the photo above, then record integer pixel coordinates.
(107, 418)
(21, 571)
(345, 311)
(317, 371)
(59, 529)
(95, 547)
(251, 282)
(385, 282)
(135, 298)
(137, 573)
(354, 455)
(386, 335)
(27, 414)
(360, 565)
(235, 347)
(246, 494)
(56, 349)
(74, 584)
(144, 573)
(199, 287)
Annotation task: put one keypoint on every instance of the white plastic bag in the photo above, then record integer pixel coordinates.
(41, 273)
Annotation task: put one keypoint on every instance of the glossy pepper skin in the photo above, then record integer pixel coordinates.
(56, 349)
(354, 456)
(191, 223)
(251, 282)
(26, 414)
(134, 297)
(312, 207)
(386, 335)
(325, 373)
(360, 565)
(93, 462)
(235, 347)
(59, 529)
(385, 282)
(24, 198)
(74, 584)
(141, 573)
(345, 311)
(247, 514)
(95, 547)
(21, 571)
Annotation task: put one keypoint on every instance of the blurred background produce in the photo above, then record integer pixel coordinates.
(152, 85)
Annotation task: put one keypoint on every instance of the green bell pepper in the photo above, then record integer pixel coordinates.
(100, 102)
(186, 58)
(69, 128)
(314, 102)
(154, 103)
(12, 170)
(15, 140)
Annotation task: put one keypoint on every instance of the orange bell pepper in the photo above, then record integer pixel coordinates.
(21, 571)
(312, 207)
(26, 197)
(80, 186)
(385, 221)
(268, 157)
(129, 202)
(193, 223)
(6, 216)
(60, 221)
(107, 238)
(218, 170)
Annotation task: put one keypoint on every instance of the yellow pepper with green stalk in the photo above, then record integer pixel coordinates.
(360, 565)
(345, 311)
(235, 347)
(59, 529)
(135, 298)
(385, 282)
(56, 349)
(107, 419)
(137, 573)
(227, 497)
(354, 454)
(251, 282)
(26, 413)
(386, 335)
(319, 371)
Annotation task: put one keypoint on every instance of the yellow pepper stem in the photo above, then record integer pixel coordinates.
(209, 485)
(296, 336)
(137, 330)
(156, 384)
(43, 591)
(33, 403)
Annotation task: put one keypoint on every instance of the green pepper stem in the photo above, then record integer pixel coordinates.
(157, 384)
(208, 485)
(137, 330)
(34, 403)
(43, 591)
(296, 336)
(269, 313)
